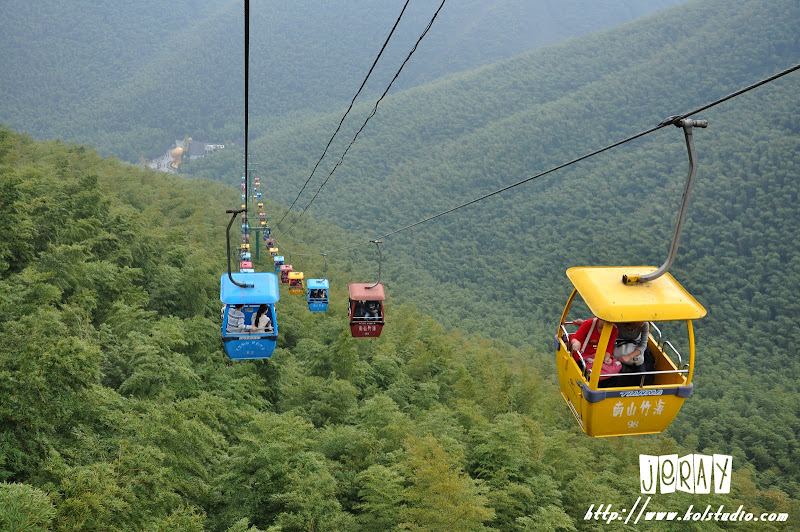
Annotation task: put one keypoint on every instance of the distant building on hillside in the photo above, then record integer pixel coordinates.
(179, 152)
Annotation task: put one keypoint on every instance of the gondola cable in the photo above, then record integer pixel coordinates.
(249, 328)
(672, 120)
(374, 110)
(246, 93)
(363, 83)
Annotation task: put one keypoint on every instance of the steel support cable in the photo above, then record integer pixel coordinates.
(363, 83)
(374, 110)
(246, 95)
(233, 213)
(666, 122)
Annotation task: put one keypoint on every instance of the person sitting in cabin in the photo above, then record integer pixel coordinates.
(373, 311)
(236, 323)
(585, 340)
(360, 310)
(631, 350)
(261, 321)
(295, 283)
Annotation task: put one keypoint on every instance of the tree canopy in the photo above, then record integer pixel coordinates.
(121, 412)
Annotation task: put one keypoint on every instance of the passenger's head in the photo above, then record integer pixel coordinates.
(631, 325)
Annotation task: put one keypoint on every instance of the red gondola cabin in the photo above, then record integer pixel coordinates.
(366, 310)
(285, 269)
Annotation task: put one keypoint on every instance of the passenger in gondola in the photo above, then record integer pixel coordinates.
(631, 350)
(261, 321)
(360, 310)
(579, 343)
(373, 311)
(236, 323)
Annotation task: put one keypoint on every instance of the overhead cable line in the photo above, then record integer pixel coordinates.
(669, 121)
(374, 110)
(246, 92)
(672, 120)
(363, 83)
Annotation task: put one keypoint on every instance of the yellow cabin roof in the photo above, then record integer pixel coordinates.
(608, 298)
(295, 275)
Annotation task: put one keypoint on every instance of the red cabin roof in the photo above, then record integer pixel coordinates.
(360, 291)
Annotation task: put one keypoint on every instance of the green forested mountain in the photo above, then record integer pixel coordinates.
(132, 78)
(120, 411)
(498, 267)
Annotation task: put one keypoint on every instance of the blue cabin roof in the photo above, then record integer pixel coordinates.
(265, 288)
(277, 258)
(315, 284)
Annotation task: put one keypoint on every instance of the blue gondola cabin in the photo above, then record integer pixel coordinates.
(241, 307)
(318, 295)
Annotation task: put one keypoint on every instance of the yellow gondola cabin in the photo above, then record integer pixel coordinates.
(627, 410)
(296, 283)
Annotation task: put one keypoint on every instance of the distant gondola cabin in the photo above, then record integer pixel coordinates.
(317, 295)
(296, 283)
(285, 269)
(365, 309)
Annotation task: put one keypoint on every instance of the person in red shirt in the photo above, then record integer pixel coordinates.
(592, 329)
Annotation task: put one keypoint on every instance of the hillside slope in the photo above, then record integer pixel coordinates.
(129, 79)
(120, 411)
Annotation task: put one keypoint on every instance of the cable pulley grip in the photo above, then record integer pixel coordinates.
(233, 214)
(687, 125)
(691, 123)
